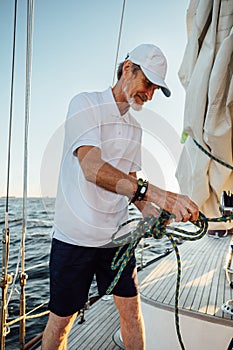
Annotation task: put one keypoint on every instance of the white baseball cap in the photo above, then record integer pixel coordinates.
(153, 63)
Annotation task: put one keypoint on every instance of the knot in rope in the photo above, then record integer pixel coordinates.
(157, 228)
(151, 227)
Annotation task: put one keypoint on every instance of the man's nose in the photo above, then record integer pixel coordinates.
(150, 93)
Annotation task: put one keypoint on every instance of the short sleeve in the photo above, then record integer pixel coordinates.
(82, 124)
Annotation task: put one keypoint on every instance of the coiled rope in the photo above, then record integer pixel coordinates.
(156, 228)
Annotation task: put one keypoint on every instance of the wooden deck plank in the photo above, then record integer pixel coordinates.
(105, 341)
(162, 272)
(189, 266)
(162, 269)
(218, 281)
(212, 286)
(106, 331)
(83, 328)
(161, 276)
(203, 285)
(194, 280)
(203, 269)
(162, 288)
(189, 258)
(96, 332)
(185, 256)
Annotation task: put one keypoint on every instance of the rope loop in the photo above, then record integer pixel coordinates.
(156, 228)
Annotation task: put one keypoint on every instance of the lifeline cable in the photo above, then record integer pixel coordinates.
(156, 228)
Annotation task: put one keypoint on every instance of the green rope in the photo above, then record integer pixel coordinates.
(213, 157)
(156, 228)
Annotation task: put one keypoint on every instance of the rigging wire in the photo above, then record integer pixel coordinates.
(23, 275)
(119, 41)
(27, 114)
(6, 278)
(15, 274)
(11, 109)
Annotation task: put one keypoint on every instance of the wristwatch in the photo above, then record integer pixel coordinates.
(140, 192)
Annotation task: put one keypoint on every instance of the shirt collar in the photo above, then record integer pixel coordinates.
(113, 109)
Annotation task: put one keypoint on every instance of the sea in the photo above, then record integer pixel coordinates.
(39, 222)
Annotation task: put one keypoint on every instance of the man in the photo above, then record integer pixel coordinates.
(97, 179)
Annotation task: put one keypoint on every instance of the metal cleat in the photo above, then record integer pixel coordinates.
(226, 203)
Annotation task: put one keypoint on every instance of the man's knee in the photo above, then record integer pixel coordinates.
(60, 325)
(129, 308)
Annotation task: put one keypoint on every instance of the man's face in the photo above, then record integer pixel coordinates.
(138, 89)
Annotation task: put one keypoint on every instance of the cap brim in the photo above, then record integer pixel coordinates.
(155, 79)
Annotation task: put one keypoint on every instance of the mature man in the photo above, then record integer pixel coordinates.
(101, 156)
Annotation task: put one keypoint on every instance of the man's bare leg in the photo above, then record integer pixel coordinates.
(56, 332)
(131, 321)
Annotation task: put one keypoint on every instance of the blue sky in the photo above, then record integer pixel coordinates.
(74, 50)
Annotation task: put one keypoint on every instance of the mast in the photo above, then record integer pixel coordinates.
(6, 279)
(23, 275)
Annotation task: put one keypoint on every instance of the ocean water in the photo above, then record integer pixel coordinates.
(40, 212)
(37, 247)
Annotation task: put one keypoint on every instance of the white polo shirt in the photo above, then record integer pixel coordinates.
(86, 214)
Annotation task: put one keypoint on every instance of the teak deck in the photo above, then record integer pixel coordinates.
(102, 321)
(204, 288)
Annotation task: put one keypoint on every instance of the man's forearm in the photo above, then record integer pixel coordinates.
(112, 179)
(104, 174)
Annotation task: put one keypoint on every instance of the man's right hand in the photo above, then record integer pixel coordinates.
(180, 205)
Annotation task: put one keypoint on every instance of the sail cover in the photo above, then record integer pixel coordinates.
(206, 74)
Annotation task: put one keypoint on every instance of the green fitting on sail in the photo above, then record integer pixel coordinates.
(184, 137)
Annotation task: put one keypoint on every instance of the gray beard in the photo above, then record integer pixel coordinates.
(135, 106)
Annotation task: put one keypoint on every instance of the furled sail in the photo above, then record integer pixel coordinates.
(206, 74)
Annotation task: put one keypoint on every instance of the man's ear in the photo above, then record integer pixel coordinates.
(127, 69)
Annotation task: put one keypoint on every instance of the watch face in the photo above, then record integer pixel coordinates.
(140, 182)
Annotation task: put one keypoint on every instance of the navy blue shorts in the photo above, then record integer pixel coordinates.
(72, 269)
